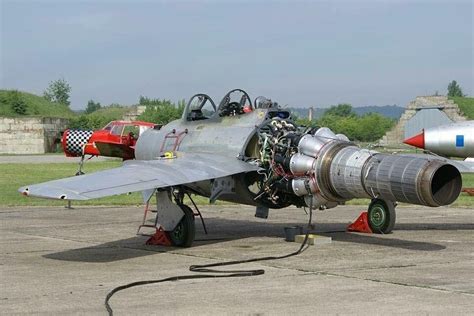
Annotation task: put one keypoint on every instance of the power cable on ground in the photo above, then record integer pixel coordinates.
(205, 268)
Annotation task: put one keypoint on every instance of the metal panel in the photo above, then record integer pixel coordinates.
(168, 214)
(423, 119)
(137, 175)
(346, 172)
(455, 140)
(224, 135)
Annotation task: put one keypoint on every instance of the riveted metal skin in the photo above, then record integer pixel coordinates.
(413, 180)
(395, 178)
(346, 172)
(323, 169)
(343, 172)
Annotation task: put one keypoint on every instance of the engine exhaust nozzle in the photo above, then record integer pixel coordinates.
(416, 180)
(344, 171)
(441, 184)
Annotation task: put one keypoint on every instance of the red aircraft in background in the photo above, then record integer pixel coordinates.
(116, 139)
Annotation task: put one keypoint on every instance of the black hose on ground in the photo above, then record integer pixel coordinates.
(205, 268)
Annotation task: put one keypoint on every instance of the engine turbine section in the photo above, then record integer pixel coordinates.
(324, 169)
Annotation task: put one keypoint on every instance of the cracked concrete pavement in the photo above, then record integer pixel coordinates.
(60, 261)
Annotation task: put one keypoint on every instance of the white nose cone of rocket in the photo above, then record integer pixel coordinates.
(453, 140)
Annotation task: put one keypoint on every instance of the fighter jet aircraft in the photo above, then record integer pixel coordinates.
(451, 140)
(254, 154)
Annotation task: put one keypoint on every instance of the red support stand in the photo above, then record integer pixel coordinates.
(360, 225)
(160, 238)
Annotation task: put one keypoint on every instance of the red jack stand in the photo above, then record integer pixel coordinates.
(160, 238)
(360, 225)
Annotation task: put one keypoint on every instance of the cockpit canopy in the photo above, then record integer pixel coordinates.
(235, 102)
(126, 127)
(200, 107)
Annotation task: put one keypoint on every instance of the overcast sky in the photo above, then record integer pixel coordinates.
(298, 53)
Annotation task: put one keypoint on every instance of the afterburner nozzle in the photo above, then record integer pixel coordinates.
(344, 172)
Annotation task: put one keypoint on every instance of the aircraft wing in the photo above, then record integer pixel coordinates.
(140, 175)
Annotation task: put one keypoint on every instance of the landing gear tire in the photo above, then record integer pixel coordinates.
(183, 234)
(381, 216)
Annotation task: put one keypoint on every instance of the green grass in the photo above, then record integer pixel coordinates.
(14, 176)
(466, 104)
(36, 106)
(17, 175)
(464, 199)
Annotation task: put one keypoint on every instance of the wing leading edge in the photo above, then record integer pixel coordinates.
(140, 175)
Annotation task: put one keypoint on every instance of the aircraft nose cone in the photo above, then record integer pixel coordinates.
(417, 140)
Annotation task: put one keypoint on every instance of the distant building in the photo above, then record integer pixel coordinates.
(30, 135)
(423, 112)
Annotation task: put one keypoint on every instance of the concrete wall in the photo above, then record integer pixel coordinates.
(396, 135)
(29, 135)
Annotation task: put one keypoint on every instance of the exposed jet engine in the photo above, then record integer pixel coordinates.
(325, 170)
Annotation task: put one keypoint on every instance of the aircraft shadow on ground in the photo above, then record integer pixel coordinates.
(223, 230)
(386, 242)
(435, 226)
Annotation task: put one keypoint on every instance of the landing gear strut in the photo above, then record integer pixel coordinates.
(183, 234)
(381, 216)
(81, 164)
(174, 221)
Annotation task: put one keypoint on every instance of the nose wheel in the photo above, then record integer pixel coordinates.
(381, 216)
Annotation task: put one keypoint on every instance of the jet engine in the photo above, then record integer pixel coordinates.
(323, 169)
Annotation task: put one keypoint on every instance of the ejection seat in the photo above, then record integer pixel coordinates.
(199, 107)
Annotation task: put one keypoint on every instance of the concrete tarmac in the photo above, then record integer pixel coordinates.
(64, 261)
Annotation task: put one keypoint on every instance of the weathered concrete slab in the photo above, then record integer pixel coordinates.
(60, 261)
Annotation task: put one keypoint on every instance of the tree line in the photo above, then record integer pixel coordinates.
(342, 119)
